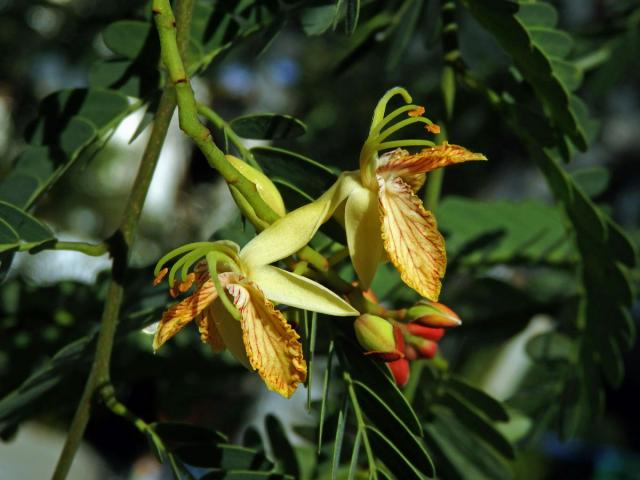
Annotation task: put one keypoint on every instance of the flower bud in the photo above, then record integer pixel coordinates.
(400, 371)
(265, 187)
(425, 348)
(429, 333)
(433, 314)
(379, 337)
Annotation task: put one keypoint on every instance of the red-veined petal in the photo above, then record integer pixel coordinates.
(176, 317)
(399, 163)
(271, 344)
(411, 238)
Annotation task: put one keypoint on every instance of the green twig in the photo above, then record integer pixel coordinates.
(201, 136)
(95, 250)
(99, 373)
(362, 426)
(220, 123)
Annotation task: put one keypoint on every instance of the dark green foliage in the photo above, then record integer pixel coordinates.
(560, 255)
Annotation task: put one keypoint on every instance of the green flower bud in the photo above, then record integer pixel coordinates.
(379, 337)
(265, 187)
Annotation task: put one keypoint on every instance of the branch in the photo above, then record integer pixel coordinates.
(99, 373)
(201, 136)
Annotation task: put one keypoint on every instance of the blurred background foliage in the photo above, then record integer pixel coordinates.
(515, 275)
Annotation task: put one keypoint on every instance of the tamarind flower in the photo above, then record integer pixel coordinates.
(382, 215)
(232, 305)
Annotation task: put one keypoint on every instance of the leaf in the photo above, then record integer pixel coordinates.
(352, 14)
(317, 20)
(127, 37)
(174, 434)
(362, 42)
(490, 232)
(592, 180)
(285, 455)
(137, 80)
(380, 415)
(526, 32)
(460, 454)
(404, 33)
(18, 229)
(552, 346)
(369, 373)
(69, 122)
(288, 168)
(393, 456)
(268, 126)
(489, 406)
(475, 422)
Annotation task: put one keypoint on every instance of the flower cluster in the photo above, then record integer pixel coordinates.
(235, 291)
(397, 343)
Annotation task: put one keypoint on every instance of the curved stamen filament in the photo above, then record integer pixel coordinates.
(398, 111)
(186, 261)
(400, 125)
(178, 251)
(378, 113)
(405, 143)
(212, 260)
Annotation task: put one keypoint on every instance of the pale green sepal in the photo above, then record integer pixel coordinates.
(293, 231)
(362, 225)
(266, 188)
(288, 288)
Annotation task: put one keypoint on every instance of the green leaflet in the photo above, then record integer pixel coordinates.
(72, 122)
(526, 31)
(461, 428)
(20, 230)
(492, 232)
(384, 418)
(268, 126)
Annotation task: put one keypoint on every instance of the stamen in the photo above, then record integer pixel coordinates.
(178, 251)
(378, 113)
(212, 260)
(405, 143)
(400, 125)
(398, 111)
(187, 261)
(417, 112)
(432, 128)
(160, 276)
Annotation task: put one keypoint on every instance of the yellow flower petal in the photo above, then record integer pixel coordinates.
(271, 344)
(288, 288)
(411, 238)
(174, 319)
(209, 333)
(362, 225)
(293, 231)
(399, 163)
(230, 332)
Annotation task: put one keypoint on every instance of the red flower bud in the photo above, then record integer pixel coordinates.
(400, 371)
(433, 314)
(410, 353)
(426, 348)
(429, 333)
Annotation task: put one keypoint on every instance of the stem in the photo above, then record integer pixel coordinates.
(190, 124)
(94, 250)
(220, 123)
(362, 427)
(434, 182)
(414, 380)
(188, 113)
(99, 373)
